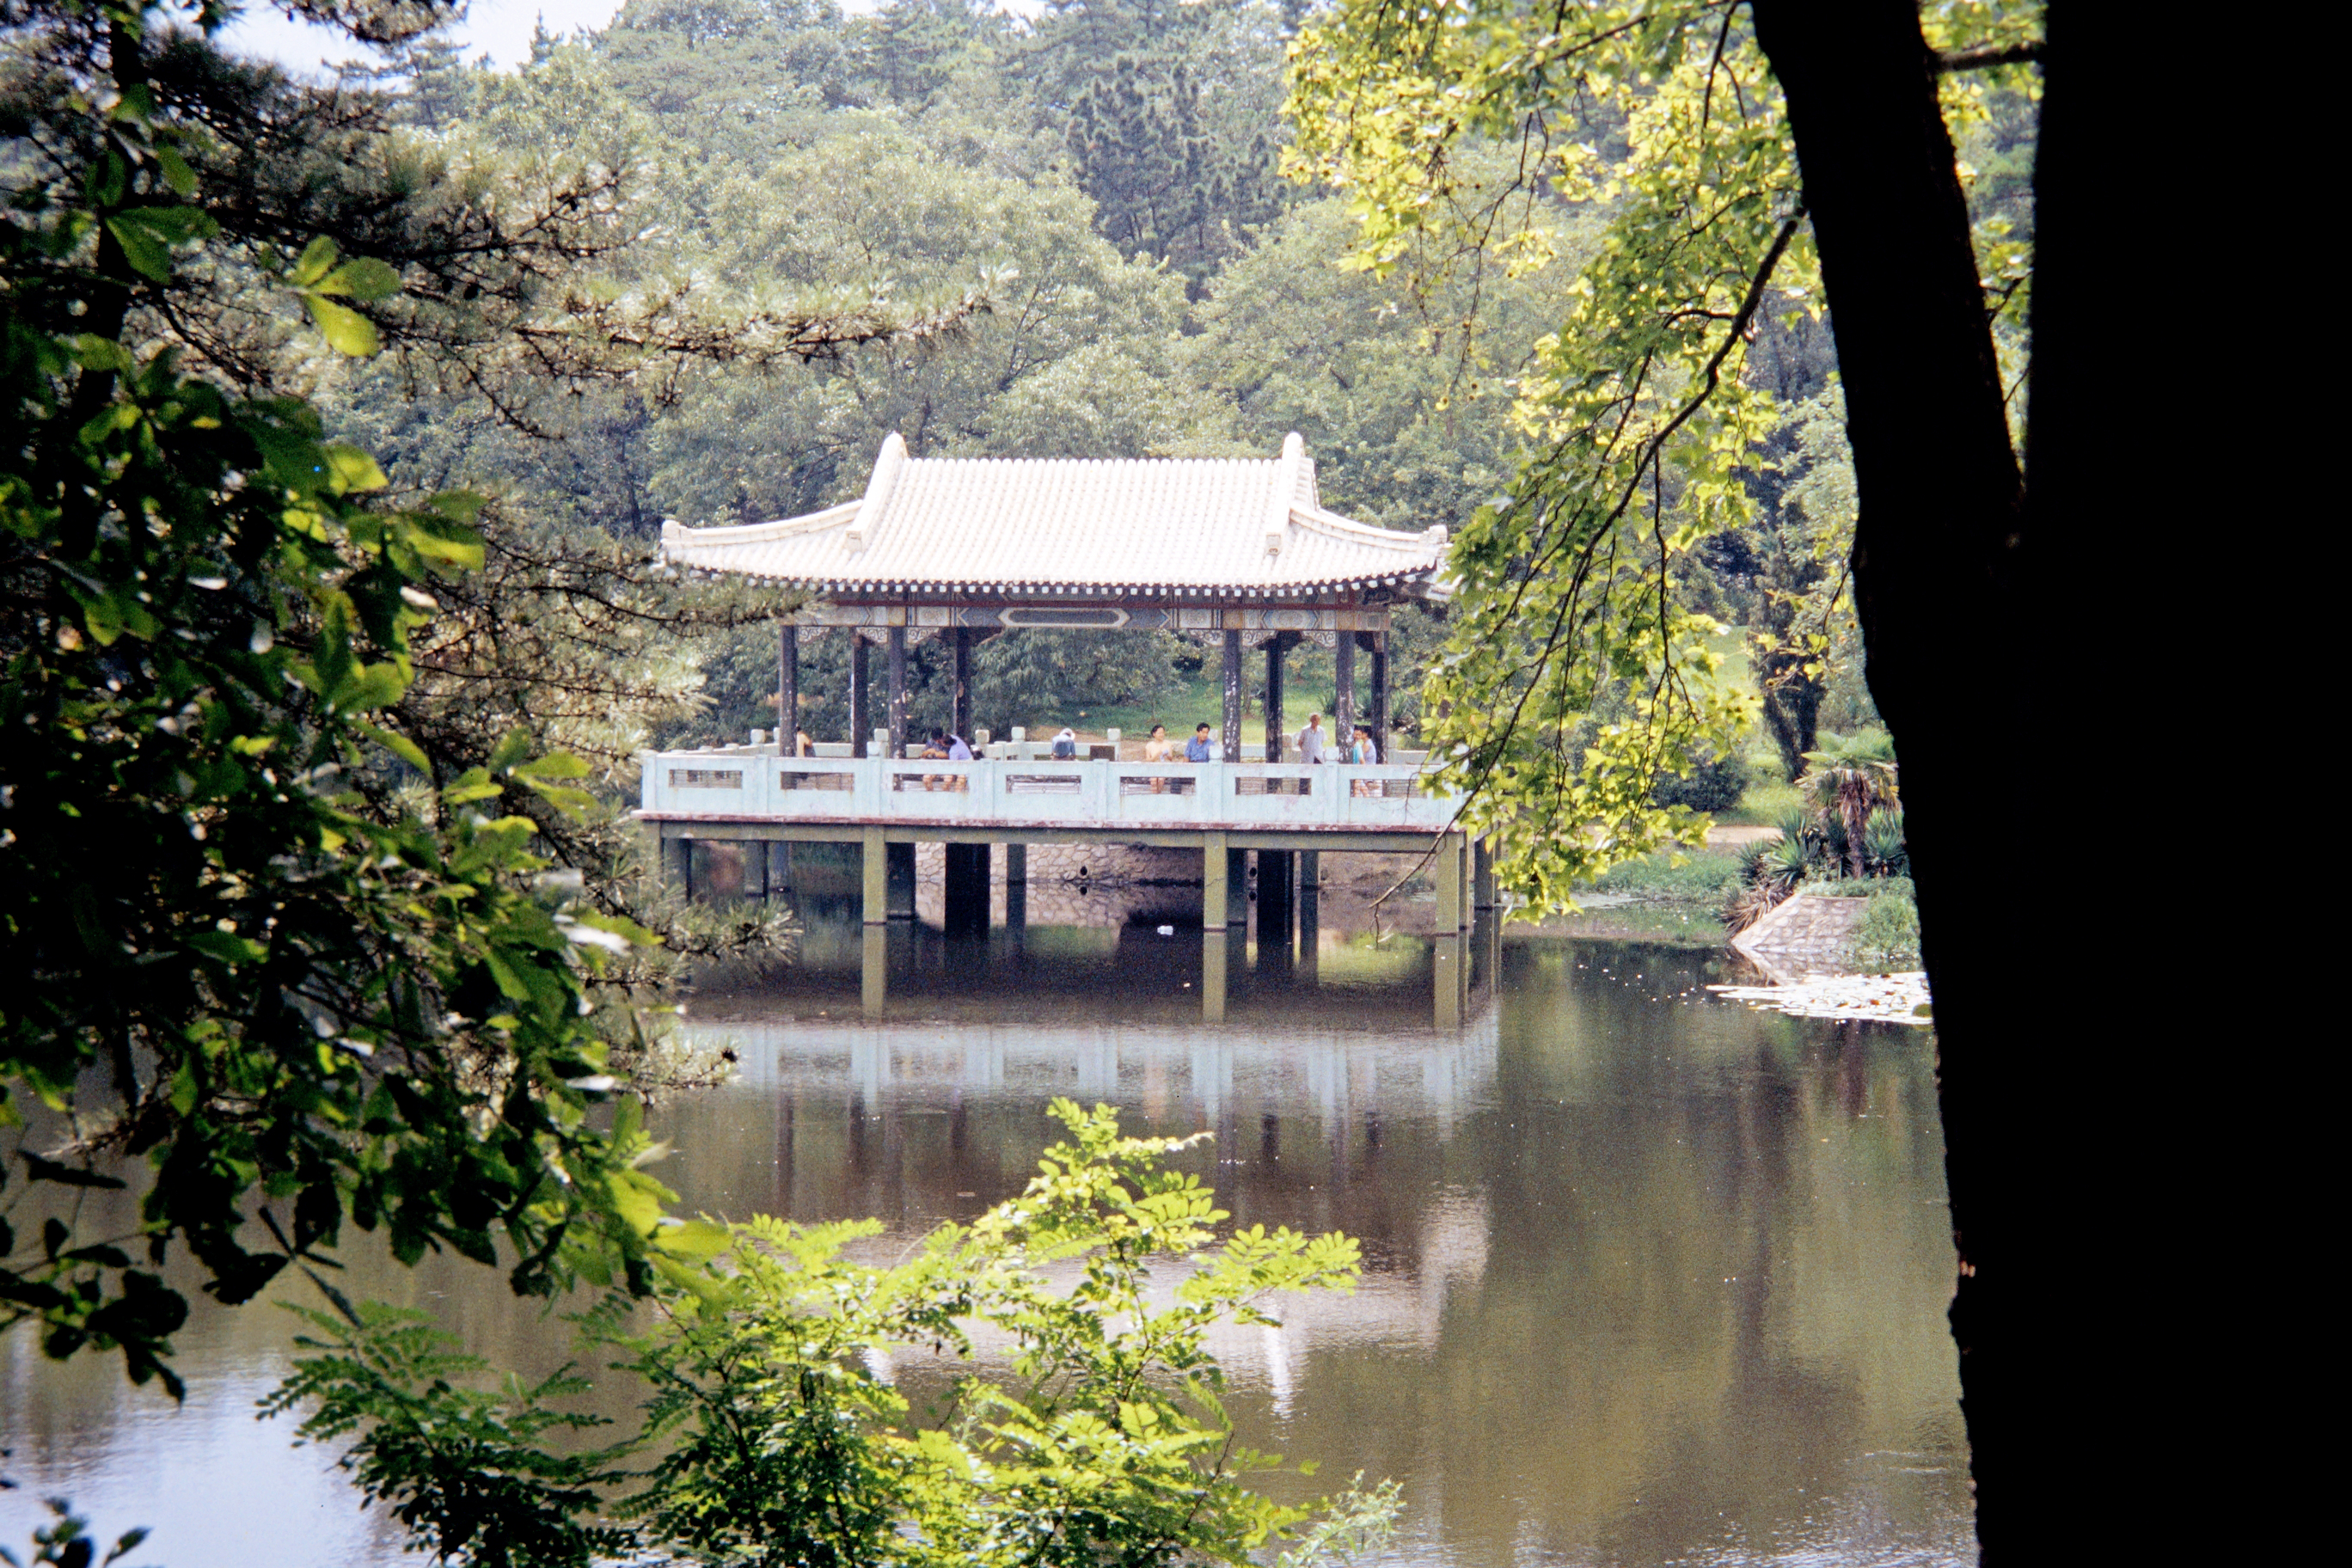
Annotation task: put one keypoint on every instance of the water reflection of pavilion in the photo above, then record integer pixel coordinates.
(1238, 554)
(1213, 1074)
(1318, 1085)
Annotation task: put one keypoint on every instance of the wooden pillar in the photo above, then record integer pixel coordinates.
(1343, 689)
(1233, 714)
(897, 643)
(1273, 738)
(960, 713)
(1378, 643)
(788, 687)
(861, 696)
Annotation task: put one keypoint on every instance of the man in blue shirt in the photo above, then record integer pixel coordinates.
(1196, 750)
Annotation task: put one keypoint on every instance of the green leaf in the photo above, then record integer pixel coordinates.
(317, 257)
(349, 468)
(399, 745)
(553, 765)
(227, 946)
(363, 279)
(346, 330)
(143, 249)
(176, 173)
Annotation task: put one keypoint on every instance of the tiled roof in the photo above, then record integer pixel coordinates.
(991, 525)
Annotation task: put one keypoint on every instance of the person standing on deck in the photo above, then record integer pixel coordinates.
(1310, 740)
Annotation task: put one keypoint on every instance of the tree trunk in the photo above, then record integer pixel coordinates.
(1934, 584)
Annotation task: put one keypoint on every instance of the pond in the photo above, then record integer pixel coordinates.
(1649, 1277)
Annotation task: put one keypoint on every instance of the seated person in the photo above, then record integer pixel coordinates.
(1066, 747)
(1197, 749)
(937, 751)
(1159, 748)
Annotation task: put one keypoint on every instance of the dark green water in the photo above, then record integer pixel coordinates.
(1650, 1278)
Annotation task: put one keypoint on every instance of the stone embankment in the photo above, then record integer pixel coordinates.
(1802, 936)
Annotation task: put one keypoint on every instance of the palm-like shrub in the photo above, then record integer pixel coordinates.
(1847, 781)
(1883, 847)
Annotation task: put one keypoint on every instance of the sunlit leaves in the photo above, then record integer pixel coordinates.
(244, 936)
(770, 1435)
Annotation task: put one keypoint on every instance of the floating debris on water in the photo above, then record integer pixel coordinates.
(1896, 998)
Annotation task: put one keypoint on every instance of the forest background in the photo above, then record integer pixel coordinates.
(1105, 180)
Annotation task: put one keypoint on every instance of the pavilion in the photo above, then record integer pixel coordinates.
(1231, 553)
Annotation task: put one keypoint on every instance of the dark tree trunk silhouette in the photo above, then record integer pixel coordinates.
(2097, 1302)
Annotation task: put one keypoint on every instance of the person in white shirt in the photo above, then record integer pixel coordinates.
(1310, 740)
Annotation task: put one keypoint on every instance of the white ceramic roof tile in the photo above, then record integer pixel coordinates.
(986, 523)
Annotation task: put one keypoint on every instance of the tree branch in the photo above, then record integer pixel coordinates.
(1988, 57)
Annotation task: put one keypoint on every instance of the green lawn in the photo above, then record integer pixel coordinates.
(1200, 697)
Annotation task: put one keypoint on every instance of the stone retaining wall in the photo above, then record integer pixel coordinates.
(1804, 936)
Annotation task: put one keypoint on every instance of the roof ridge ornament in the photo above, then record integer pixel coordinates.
(887, 464)
(1285, 491)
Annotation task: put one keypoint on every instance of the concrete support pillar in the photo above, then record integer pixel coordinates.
(1016, 886)
(1275, 908)
(780, 866)
(961, 703)
(1310, 914)
(896, 644)
(1378, 643)
(1343, 690)
(1215, 957)
(967, 890)
(788, 687)
(1233, 714)
(1237, 889)
(901, 879)
(874, 903)
(1450, 960)
(677, 861)
(1213, 881)
(755, 870)
(861, 695)
(874, 969)
(1274, 724)
(1484, 896)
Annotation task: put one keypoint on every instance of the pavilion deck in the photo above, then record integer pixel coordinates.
(740, 786)
(1287, 814)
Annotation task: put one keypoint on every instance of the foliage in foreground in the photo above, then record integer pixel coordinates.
(248, 932)
(1579, 668)
(1079, 1419)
